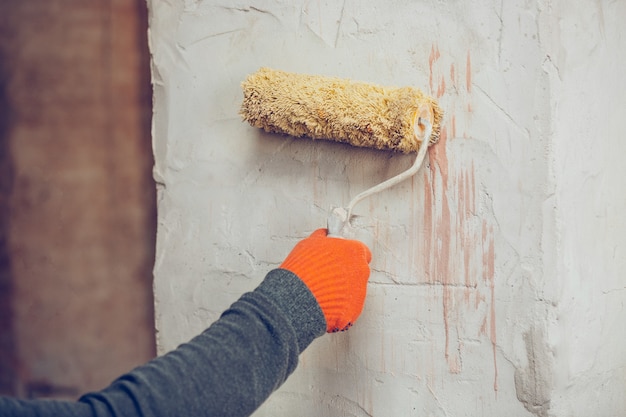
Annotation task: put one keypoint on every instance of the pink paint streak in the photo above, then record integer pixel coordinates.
(434, 56)
(441, 237)
(452, 76)
(458, 247)
(441, 89)
(439, 158)
(489, 271)
(453, 123)
(468, 73)
(428, 225)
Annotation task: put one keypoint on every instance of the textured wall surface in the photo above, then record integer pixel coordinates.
(497, 283)
(80, 226)
(586, 330)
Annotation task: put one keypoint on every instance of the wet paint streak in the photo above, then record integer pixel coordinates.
(455, 365)
(458, 246)
(473, 193)
(434, 56)
(442, 270)
(452, 77)
(439, 159)
(414, 233)
(468, 73)
(441, 89)
(464, 207)
(441, 237)
(489, 271)
(447, 237)
(467, 191)
(428, 224)
(453, 125)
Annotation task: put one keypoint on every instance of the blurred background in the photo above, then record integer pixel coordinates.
(77, 199)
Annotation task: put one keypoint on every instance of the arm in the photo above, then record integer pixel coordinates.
(234, 365)
(228, 370)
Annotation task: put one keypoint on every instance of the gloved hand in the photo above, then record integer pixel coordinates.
(336, 271)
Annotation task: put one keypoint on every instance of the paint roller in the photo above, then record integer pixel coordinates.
(360, 114)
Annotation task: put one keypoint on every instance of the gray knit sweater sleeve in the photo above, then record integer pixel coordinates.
(227, 370)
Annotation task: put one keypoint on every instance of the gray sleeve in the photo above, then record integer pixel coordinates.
(228, 370)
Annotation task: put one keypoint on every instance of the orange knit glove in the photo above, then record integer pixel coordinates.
(336, 271)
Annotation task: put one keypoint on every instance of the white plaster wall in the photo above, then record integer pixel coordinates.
(587, 330)
(497, 283)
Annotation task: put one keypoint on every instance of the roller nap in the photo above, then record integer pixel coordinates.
(342, 110)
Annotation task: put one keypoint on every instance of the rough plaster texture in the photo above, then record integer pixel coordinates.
(497, 284)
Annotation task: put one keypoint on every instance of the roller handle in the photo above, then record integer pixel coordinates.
(338, 222)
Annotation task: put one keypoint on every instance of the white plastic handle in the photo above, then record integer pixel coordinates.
(339, 217)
